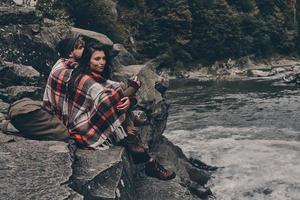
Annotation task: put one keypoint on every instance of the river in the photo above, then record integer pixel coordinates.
(251, 129)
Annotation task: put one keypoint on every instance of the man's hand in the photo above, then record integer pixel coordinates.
(124, 104)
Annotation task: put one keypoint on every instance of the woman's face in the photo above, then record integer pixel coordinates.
(98, 61)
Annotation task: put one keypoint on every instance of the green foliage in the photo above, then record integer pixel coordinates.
(260, 27)
(243, 6)
(53, 9)
(99, 16)
(208, 29)
(168, 23)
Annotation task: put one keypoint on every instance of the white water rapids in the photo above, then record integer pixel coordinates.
(250, 128)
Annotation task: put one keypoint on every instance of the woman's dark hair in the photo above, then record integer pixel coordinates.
(87, 54)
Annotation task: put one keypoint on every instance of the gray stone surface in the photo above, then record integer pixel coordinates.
(187, 175)
(98, 174)
(153, 189)
(18, 15)
(103, 39)
(3, 107)
(123, 56)
(34, 169)
(18, 92)
(15, 74)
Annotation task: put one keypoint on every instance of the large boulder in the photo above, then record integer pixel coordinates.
(14, 93)
(35, 169)
(18, 15)
(104, 174)
(15, 74)
(123, 57)
(101, 38)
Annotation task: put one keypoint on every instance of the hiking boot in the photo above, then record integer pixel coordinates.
(154, 169)
(132, 144)
(136, 148)
(134, 135)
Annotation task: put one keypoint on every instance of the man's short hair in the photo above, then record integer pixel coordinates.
(67, 45)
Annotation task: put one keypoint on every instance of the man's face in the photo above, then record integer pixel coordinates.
(77, 52)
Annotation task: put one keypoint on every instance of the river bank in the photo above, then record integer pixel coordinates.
(246, 68)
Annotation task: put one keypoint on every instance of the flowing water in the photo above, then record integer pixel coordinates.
(250, 128)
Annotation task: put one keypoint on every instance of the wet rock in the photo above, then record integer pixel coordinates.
(18, 15)
(161, 87)
(103, 39)
(35, 170)
(151, 188)
(199, 190)
(197, 175)
(14, 74)
(14, 93)
(201, 165)
(173, 157)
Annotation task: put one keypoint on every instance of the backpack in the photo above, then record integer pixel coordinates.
(35, 122)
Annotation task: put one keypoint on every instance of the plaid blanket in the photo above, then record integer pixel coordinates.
(86, 103)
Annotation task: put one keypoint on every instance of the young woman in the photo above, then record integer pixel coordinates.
(94, 108)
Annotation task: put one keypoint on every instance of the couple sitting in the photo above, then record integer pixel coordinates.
(93, 108)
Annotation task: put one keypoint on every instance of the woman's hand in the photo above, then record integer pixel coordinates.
(138, 82)
(135, 83)
(124, 104)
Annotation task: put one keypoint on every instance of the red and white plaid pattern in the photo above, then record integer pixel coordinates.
(85, 103)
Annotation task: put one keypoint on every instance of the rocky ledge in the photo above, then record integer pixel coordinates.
(31, 169)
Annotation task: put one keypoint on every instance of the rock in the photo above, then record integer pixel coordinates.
(103, 39)
(151, 188)
(14, 74)
(101, 174)
(197, 175)
(14, 93)
(139, 117)
(129, 71)
(7, 3)
(123, 56)
(51, 34)
(259, 73)
(149, 78)
(161, 87)
(278, 70)
(182, 75)
(3, 107)
(19, 43)
(200, 191)
(172, 156)
(18, 15)
(35, 170)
